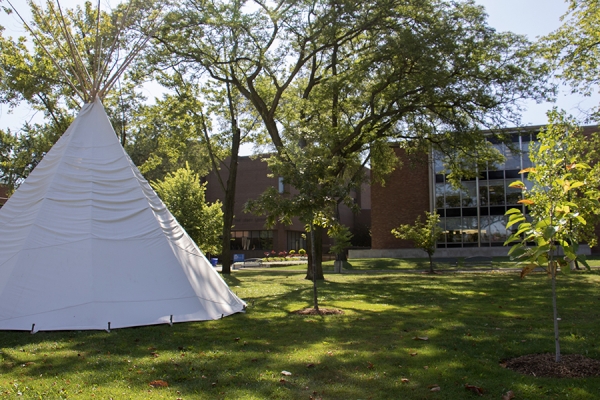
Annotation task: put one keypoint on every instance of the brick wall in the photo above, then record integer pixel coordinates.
(404, 197)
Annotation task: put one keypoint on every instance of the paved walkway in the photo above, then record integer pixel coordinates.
(475, 270)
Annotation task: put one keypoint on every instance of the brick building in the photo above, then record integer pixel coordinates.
(472, 217)
(250, 236)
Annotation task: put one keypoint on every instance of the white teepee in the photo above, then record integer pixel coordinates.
(85, 243)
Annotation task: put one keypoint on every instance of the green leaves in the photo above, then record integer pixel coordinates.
(515, 218)
(183, 194)
(424, 235)
(562, 201)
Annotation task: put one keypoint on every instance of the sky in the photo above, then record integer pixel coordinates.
(533, 18)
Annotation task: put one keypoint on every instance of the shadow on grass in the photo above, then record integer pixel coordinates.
(470, 322)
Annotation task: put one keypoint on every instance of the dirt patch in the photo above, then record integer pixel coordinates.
(322, 311)
(543, 365)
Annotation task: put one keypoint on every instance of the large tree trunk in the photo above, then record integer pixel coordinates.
(229, 203)
(318, 256)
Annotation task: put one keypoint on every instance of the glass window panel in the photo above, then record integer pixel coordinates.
(513, 195)
(513, 160)
(453, 228)
(512, 174)
(470, 231)
(453, 212)
(497, 228)
(452, 196)
(251, 240)
(469, 194)
(469, 212)
(496, 192)
(496, 174)
(483, 193)
(439, 195)
(295, 241)
(527, 161)
(497, 210)
(266, 240)
(442, 235)
(485, 230)
(500, 165)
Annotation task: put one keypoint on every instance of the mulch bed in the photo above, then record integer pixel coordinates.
(543, 365)
(322, 311)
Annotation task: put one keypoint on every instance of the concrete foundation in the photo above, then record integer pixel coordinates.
(459, 252)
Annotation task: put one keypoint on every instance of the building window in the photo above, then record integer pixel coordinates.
(295, 241)
(474, 214)
(252, 240)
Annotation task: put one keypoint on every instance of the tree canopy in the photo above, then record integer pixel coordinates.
(573, 50)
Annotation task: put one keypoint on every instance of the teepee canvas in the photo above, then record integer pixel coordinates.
(85, 243)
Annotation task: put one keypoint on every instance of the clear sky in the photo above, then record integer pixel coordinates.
(530, 17)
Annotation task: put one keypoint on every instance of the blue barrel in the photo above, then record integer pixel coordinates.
(213, 261)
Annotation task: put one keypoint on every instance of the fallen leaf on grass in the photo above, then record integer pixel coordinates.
(434, 388)
(414, 354)
(420, 338)
(370, 365)
(286, 373)
(158, 383)
(404, 380)
(311, 365)
(508, 395)
(474, 389)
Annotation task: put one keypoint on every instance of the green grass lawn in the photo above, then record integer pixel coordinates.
(471, 323)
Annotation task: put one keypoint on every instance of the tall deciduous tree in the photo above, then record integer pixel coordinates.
(168, 134)
(563, 201)
(195, 54)
(333, 82)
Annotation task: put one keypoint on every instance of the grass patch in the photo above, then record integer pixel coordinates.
(471, 323)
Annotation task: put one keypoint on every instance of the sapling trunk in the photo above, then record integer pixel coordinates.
(555, 308)
(313, 252)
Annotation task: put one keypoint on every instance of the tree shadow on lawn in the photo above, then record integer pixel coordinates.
(470, 324)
